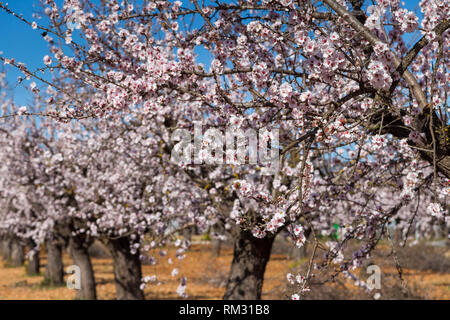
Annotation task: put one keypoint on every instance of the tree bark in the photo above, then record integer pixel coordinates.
(17, 253)
(187, 234)
(216, 247)
(127, 270)
(298, 253)
(6, 249)
(250, 258)
(216, 242)
(34, 266)
(78, 250)
(54, 270)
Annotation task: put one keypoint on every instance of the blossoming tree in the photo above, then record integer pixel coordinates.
(362, 114)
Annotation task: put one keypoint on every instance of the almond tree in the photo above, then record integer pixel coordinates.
(338, 75)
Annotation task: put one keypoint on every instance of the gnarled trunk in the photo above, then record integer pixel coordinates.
(250, 258)
(54, 270)
(17, 253)
(127, 270)
(78, 250)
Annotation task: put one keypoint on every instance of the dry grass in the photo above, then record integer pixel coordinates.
(207, 278)
(425, 272)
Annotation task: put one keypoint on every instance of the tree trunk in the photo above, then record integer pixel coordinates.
(34, 266)
(216, 247)
(187, 234)
(246, 276)
(54, 270)
(6, 249)
(127, 270)
(216, 242)
(78, 250)
(17, 253)
(298, 253)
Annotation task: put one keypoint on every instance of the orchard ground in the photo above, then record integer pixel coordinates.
(425, 269)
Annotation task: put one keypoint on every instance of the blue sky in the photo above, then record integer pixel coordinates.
(26, 45)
